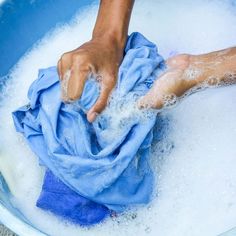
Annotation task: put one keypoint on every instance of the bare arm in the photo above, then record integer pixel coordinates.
(188, 71)
(101, 56)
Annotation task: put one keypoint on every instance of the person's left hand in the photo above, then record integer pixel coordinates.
(187, 71)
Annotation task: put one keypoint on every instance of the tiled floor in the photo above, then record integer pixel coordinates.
(5, 232)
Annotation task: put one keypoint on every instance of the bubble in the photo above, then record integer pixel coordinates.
(212, 81)
(121, 113)
(64, 86)
(192, 73)
(170, 100)
(229, 78)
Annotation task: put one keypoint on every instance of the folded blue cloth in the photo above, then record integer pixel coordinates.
(61, 200)
(107, 161)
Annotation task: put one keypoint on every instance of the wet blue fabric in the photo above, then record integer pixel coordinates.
(107, 161)
(61, 200)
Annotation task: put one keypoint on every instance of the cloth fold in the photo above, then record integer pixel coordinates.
(106, 161)
(61, 200)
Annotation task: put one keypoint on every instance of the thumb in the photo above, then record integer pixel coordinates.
(152, 99)
(101, 102)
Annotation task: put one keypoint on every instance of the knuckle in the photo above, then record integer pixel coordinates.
(76, 57)
(72, 96)
(65, 56)
(84, 67)
(81, 61)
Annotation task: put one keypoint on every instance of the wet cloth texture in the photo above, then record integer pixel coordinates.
(106, 161)
(61, 200)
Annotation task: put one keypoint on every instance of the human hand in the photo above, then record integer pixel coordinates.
(100, 57)
(187, 71)
(173, 83)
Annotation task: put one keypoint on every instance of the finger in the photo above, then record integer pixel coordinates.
(76, 82)
(142, 103)
(101, 102)
(153, 99)
(59, 69)
(146, 101)
(65, 64)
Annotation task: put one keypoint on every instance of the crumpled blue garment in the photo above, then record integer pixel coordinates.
(61, 200)
(107, 161)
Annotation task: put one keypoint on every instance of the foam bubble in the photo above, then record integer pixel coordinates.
(192, 73)
(64, 85)
(170, 100)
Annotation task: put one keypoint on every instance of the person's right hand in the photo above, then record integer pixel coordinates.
(101, 57)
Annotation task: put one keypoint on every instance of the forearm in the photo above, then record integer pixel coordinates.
(113, 20)
(214, 68)
(186, 72)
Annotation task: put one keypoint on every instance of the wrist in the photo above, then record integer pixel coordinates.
(113, 21)
(115, 38)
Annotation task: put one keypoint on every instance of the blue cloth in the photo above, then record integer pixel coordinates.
(107, 161)
(61, 200)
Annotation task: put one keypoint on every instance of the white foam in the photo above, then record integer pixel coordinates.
(196, 180)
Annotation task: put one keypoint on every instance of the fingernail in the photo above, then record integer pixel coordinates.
(92, 117)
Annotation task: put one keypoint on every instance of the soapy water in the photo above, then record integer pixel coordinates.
(171, 100)
(193, 155)
(192, 73)
(64, 86)
(124, 105)
(122, 113)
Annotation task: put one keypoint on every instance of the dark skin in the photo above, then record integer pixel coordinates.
(103, 54)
